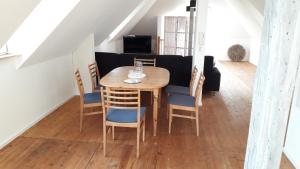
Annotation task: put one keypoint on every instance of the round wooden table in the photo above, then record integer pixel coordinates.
(155, 79)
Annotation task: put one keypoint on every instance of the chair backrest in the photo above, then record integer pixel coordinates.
(146, 62)
(193, 77)
(94, 74)
(79, 84)
(120, 98)
(199, 89)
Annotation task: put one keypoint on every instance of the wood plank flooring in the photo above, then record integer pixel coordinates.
(55, 142)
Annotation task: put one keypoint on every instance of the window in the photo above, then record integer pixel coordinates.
(176, 35)
(4, 50)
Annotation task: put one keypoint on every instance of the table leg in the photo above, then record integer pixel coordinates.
(155, 110)
(159, 98)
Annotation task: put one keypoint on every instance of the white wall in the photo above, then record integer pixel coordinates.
(218, 47)
(82, 57)
(224, 30)
(200, 33)
(292, 145)
(160, 31)
(250, 15)
(114, 46)
(255, 50)
(30, 93)
(160, 26)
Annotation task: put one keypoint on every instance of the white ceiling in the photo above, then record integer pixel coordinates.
(89, 16)
(12, 14)
(258, 4)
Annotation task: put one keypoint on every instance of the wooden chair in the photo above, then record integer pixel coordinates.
(122, 108)
(187, 103)
(174, 89)
(87, 100)
(95, 76)
(146, 62)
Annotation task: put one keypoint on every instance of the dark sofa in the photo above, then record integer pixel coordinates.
(178, 66)
(212, 75)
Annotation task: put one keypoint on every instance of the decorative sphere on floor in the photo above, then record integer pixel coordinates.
(236, 53)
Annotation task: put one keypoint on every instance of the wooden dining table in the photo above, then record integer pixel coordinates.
(155, 79)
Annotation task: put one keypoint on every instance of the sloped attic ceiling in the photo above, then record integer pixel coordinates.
(249, 16)
(13, 13)
(148, 24)
(87, 17)
(128, 22)
(259, 5)
(131, 20)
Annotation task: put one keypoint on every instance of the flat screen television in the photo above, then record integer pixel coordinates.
(137, 44)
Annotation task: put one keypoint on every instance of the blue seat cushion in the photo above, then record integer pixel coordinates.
(173, 89)
(181, 100)
(92, 98)
(124, 115)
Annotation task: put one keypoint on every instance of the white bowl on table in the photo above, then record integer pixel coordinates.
(132, 81)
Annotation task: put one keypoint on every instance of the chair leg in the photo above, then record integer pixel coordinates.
(109, 130)
(170, 119)
(197, 122)
(168, 107)
(113, 132)
(104, 139)
(81, 119)
(138, 142)
(144, 126)
(151, 98)
(168, 111)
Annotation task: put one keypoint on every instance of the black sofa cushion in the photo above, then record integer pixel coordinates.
(179, 67)
(111, 62)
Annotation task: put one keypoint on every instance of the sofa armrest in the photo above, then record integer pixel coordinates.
(212, 80)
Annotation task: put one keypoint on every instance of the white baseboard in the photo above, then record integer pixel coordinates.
(293, 161)
(35, 121)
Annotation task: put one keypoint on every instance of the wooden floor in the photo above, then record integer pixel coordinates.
(55, 142)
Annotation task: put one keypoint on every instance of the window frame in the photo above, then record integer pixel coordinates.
(6, 52)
